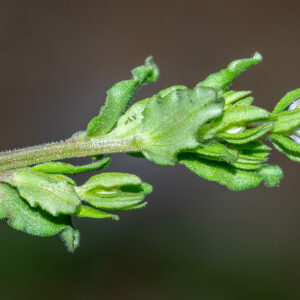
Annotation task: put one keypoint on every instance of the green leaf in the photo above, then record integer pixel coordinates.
(233, 116)
(233, 178)
(119, 96)
(170, 123)
(64, 168)
(114, 191)
(21, 216)
(287, 121)
(89, 212)
(223, 79)
(51, 193)
(247, 135)
(286, 101)
(287, 146)
(130, 123)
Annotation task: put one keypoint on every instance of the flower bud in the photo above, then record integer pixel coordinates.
(115, 191)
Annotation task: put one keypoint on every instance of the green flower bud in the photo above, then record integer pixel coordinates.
(114, 191)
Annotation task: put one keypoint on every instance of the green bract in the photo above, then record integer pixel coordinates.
(215, 132)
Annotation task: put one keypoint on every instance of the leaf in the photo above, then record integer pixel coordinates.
(64, 168)
(247, 135)
(118, 98)
(21, 216)
(233, 116)
(116, 191)
(286, 101)
(90, 212)
(287, 146)
(51, 193)
(233, 178)
(287, 121)
(130, 123)
(223, 79)
(170, 123)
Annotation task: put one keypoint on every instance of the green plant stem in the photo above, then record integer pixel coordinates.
(77, 146)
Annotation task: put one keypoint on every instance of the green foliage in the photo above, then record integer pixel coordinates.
(55, 195)
(89, 212)
(21, 216)
(222, 80)
(233, 178)
(119, 96)
(215, 132)
(64, 168)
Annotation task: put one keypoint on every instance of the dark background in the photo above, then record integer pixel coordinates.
(196, 239)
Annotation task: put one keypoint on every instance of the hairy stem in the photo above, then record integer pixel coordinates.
(76, 146)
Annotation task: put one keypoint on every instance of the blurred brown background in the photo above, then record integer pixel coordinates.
(195, 240)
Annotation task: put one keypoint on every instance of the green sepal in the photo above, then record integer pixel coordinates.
(64, 168)
(233, 116)
(286, 101)
(233, 96)
(170, 123)
(247, 136)
(51, 192)
(221, 80)
(244, 102)
(118, 98)
(114, 191)
(84, 211)
(287, 146)
(287, 121)
(35, 221)
(233, 178)
(216, 151)
(251, 155)
(254, 146)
